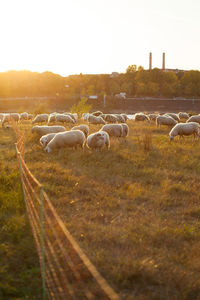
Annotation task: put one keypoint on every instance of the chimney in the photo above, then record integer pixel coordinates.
(150, 61)
(163, 61)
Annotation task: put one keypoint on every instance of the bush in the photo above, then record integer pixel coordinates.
(81, 107)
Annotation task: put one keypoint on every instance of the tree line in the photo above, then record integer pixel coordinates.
(134, 82)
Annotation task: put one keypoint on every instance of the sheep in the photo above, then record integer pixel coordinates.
(83, 128)
(24, 116)
(95, 120)
(72, 116)
(97, 113)
(72, 138)
(41, 118)
(165, 120)
(173, 115)
(52, 118)
(124, 116)
(15, 116)
(120, 119)
(115, 130)
(125, 129)
(182, 129)
(152, 117)
(64, 118)
(42, 130)
(195, 118)
(30, 116)
(183, 115)
(45, 139)
(110, 118)
(141, 117)
(106, 138)
(96, 140)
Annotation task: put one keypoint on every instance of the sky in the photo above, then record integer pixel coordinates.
(98, 36)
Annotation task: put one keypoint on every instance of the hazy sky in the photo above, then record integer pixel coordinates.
(98, 36)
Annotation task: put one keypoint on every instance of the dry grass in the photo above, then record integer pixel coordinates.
(134, 209)
(19, 267)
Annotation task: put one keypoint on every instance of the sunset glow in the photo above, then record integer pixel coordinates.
(92, 36)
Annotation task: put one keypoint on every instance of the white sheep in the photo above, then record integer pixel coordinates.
(106, 138)
(95, 120)
(41, 118)
(141, 117)
(195, 118)
(165, 120)
(82, 127)
(152, 117)
(125, 117)
(96, 140)
(115, 130)
(15, 116)
(120, 118)
(72, 138)
(42, 130)
(183, 115)
(182, 129)
(125, 129)
(52, 118)
(173, 115)
(110, 118)
(24, 116)
(64, 118)
(45, 139)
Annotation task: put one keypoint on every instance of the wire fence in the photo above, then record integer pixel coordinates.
(67, 273)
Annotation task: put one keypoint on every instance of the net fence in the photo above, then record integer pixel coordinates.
(67, 273)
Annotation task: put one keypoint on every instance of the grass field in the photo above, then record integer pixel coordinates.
(19, 267)
(133, 209)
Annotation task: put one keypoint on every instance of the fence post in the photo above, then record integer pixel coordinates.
(42, 240)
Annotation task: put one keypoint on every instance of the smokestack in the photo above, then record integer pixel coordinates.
(150, 61)
(163, 61)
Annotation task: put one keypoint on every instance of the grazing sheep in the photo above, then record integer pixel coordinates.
(120, 119)
(83, 128)
(24, 116)
(52, 118)
(41, 118)
(165, 120)
(152, 117)
(125, 129)
(15, 116)
(72, 116)
(141, 117)
(110, 118)
(64, 118)
(95, 120)
(96, 140)
(42, 130)
(183, 115)
(182, 129)
(30, 116)
(97, 113)
(45, 139)
(106, 138)
(115, 130)
(195, 118)
(125, 117)
(173, 115)
(72, 138)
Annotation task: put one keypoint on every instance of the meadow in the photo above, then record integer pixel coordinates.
(19, 267)
(133, 209)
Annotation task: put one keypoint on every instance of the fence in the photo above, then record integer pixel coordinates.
(66, 271)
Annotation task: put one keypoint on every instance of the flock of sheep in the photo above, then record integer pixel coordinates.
(114, 125)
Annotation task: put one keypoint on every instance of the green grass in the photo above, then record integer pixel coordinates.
(133, 209)
(19, 267)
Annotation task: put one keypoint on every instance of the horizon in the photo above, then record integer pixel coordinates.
(98, 37)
